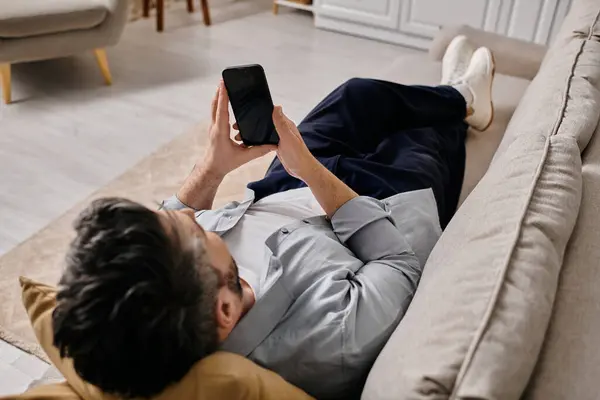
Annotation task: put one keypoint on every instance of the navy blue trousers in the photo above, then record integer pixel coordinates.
(383, 138)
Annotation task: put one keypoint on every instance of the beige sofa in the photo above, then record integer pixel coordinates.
(39, 30)
(509, 303)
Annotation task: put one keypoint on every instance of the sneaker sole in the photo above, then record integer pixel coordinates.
(491, 101)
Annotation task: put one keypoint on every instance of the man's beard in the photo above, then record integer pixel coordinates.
(233, 280)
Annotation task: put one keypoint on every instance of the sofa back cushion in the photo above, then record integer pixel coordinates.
(477, 323)
(569, 364)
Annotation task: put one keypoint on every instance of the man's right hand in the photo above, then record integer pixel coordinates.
(224, 155)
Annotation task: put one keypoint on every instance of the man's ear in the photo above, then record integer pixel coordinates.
(225, 313)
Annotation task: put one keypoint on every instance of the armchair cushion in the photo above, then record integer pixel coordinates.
(19, 19)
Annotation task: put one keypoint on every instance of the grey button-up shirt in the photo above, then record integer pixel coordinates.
(335, 289)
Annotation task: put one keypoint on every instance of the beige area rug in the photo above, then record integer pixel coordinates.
(150, 181)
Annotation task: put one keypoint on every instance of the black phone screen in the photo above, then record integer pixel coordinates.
(251, 103)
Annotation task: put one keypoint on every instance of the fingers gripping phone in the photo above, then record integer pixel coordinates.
(251, 103)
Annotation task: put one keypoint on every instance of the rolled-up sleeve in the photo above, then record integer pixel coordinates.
(172, 203)
(383, 285)
(219, 220)
(366, 227)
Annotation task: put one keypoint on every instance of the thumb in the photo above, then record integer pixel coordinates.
(280, 121)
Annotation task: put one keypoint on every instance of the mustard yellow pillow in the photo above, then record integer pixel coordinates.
(219, 376)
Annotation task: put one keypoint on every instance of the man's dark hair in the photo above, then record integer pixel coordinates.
(136, 307)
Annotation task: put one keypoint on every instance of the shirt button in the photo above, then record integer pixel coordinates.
(284, 231)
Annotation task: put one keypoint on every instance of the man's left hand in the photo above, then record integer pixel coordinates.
(224, 155)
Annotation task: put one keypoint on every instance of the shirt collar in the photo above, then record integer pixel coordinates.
(260, 320)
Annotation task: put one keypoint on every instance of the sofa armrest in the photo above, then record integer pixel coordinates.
(513, 57)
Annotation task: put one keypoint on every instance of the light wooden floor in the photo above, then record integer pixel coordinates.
(67, 134)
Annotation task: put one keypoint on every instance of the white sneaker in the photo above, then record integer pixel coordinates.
(456, 60)
(478, 79)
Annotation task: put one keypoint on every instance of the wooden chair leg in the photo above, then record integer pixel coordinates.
(5, 78)
(275, 7)
(146, 8)
(205, 12)
(160, 15)
(103, 64)
(190, 5)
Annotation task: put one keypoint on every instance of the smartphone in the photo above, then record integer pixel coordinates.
(251, 103)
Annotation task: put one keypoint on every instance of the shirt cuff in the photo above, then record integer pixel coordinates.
(357, 213)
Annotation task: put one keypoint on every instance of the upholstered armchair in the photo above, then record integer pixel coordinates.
(38, 30)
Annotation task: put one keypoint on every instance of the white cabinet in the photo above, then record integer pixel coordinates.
(382, 13)
(415, 22)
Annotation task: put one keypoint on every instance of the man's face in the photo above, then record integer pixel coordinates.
(230, 296)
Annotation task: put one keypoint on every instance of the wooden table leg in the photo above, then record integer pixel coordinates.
(275, 7)
(190, 5)
(146, 8)
(160, 15)
(205, 12)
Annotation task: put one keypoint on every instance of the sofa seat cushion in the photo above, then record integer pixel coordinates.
(25, 18)
(481, 146)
